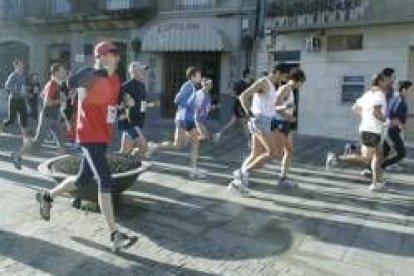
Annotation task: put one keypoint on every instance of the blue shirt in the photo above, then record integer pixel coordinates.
(398, 109)
(16, 84)
(185, 102)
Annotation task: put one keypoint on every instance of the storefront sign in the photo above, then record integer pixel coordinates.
(178, 27)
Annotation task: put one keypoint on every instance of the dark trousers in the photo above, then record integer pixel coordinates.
(17, 107)
(95, 166)
(394, 134)
(34, 107)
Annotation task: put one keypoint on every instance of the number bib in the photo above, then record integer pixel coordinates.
(111, 116)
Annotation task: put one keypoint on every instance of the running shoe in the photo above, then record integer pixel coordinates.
(287, 183)
(120, 241)
(197, 174)
(367, 173)
(239, 183)
(17, 161)
(394, 168)
(331, 161)
(377, 187)
(242, 177)
(238, 187)
(45, 203)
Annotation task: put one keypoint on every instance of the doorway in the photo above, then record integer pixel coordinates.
(175, 67)
(8, 52)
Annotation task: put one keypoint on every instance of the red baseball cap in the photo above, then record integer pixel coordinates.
(105, 47)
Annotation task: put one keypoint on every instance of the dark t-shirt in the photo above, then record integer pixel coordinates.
(238, 88)
(136, 89)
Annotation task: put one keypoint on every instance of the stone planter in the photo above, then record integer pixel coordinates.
(124, 173)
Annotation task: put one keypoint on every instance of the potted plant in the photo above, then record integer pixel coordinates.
(124, 170)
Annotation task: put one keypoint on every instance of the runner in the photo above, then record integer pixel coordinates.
(282, 122)
(16, 86)
(98, 93)
(372, 108)
(239, 116)
(202, 108)
(185, 125)
(260, 98)
(49, 119)
(33, 95)
(397, 118)
(132, 119)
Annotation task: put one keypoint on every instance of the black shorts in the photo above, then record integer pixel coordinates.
(370, 139)
(133, 133)
(283, 126)
(187, 125)
(94, 165)
(238, 110)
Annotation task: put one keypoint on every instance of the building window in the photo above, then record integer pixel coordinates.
(352, 88)
(61, 7)
(88, 50)
(194, 4)
(11, 8)
(118, 4)
(345, 42)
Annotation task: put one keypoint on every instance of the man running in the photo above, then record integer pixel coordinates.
(372, 109)
(239, 116)
(185, 121)
(397, 117)
(16, 86)
(259, 101)
(49, 119)
(134, 97)
(97, 94)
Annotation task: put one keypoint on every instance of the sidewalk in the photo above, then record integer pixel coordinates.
(332, 225)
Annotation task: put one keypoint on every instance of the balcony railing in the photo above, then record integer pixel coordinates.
(295, 13)
(68, 7)
(118, 4)
(194, 4)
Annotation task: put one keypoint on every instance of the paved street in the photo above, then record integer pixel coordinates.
(332, 225)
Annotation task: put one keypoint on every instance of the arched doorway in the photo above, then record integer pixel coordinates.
(8, 52)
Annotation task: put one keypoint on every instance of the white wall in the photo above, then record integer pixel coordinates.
(321, 110)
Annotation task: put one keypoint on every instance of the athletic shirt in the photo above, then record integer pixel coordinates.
(97, 108)
(264, 103)
(185, 109)
(136, 89)
(202, 103)
(290, 101)
(51, 92)
(367, 102)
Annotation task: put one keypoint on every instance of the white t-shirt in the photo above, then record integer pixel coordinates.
(367, 103)
(199, 98)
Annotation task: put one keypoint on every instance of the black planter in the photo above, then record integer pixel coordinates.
(123, 176)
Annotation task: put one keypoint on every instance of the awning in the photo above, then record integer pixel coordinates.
(183, 37)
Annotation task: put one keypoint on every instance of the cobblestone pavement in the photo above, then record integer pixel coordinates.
(331, 225)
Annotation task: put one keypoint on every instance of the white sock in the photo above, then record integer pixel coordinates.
(244, 170)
